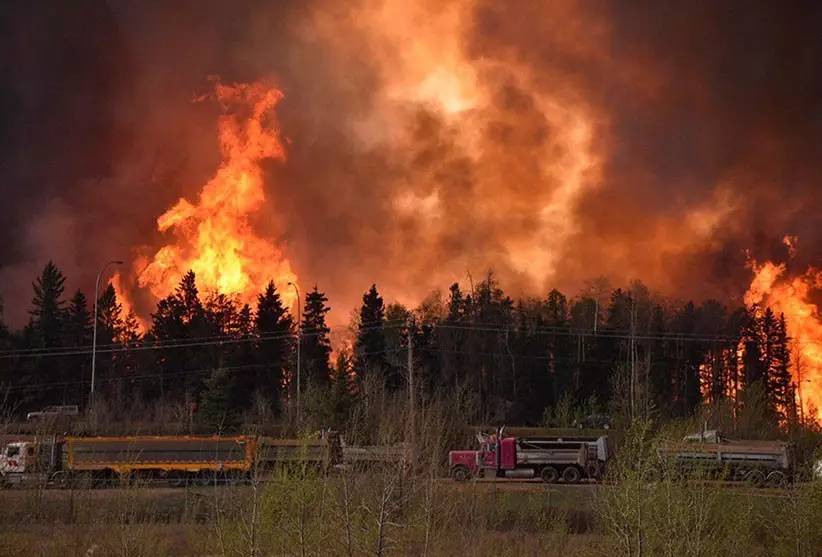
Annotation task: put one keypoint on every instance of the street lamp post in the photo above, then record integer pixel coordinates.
(94, 336)
(299, 340)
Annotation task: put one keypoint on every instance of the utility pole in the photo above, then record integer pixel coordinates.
(94, 335)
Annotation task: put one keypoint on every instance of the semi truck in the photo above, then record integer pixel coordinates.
(759, 463)
(569, 459)
(177, 460)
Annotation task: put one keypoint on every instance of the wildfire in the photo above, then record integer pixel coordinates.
(791, 297)
(214, 236)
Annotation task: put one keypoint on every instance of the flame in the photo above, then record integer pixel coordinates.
(214, 236)
(125, 301)
(791, 296)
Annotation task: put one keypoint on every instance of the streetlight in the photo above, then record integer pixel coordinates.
(94, 338)
(299, 341)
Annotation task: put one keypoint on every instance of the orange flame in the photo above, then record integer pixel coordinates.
(214, 237)
(791, 297)
(125, 301)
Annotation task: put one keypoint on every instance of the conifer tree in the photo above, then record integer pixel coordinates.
(754, 371)
(340, 399)
(780, 389)
(370, 345)
(217, 410)
(77, 332)
(47, 311)
(78, 321)
(315, 344)
(109, 317)
(178, 317)
(275, 329)
(45, 330)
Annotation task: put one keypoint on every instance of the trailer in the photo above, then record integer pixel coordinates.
(176, 460)
(759, 463)
(552, 459)
(321, 453)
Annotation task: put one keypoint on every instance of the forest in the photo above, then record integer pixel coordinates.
(531, 361)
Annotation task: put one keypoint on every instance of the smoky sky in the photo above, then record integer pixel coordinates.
(700, 112)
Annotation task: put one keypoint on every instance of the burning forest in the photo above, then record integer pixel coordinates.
(584, 234)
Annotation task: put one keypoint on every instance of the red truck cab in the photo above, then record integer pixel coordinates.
(549, 458)
(494, 456)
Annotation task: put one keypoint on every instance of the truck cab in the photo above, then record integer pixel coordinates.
(15, 460)
(550, 458)
(27, 461)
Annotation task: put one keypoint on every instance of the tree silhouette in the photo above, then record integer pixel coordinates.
(47, 311)
(369, 348)
(314, 344)
(275, 329)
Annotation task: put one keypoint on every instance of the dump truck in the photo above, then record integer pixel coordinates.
(550, 458)
(177, 460)
(759, 463)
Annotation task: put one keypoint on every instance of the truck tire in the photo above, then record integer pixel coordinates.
(571, 475)
(777, 479)
(755, 478)
(460, 473)
(549, 475)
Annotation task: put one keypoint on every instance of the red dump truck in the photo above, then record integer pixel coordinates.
(177, 460)
(569, 459)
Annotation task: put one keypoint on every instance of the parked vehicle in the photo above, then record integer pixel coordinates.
(757, 462)
(593, 421)
(55, 411)
(549, 458)
(177, 460)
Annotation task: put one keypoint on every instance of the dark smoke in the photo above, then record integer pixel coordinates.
(695, 106)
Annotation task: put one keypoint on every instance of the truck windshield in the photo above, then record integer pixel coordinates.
(12, 451)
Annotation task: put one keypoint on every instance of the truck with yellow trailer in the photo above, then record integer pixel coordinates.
(175, 460)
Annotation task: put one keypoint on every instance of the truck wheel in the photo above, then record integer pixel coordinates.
(460, 473)
(549, 475)
(777, 479)
(755, 478)
(571, 475)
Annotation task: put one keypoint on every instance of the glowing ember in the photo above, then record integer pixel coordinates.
(791, 296)
(214, 237)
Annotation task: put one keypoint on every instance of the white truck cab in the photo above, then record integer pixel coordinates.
(16, 459)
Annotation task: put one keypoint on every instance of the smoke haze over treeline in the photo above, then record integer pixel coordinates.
(553, 143)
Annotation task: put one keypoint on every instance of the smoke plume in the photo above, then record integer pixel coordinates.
(553, 142)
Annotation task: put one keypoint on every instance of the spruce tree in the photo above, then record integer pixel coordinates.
(178, 317)
(77, 332)
(78, 321)
(45, 330)
(109, 325)
(47, 311)
(275, 328)
(451, 339)
(109, 317)
(688, 356)
(780, 389)
(370, 344)
(315, 344)
(340, 399)
(217, 411)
